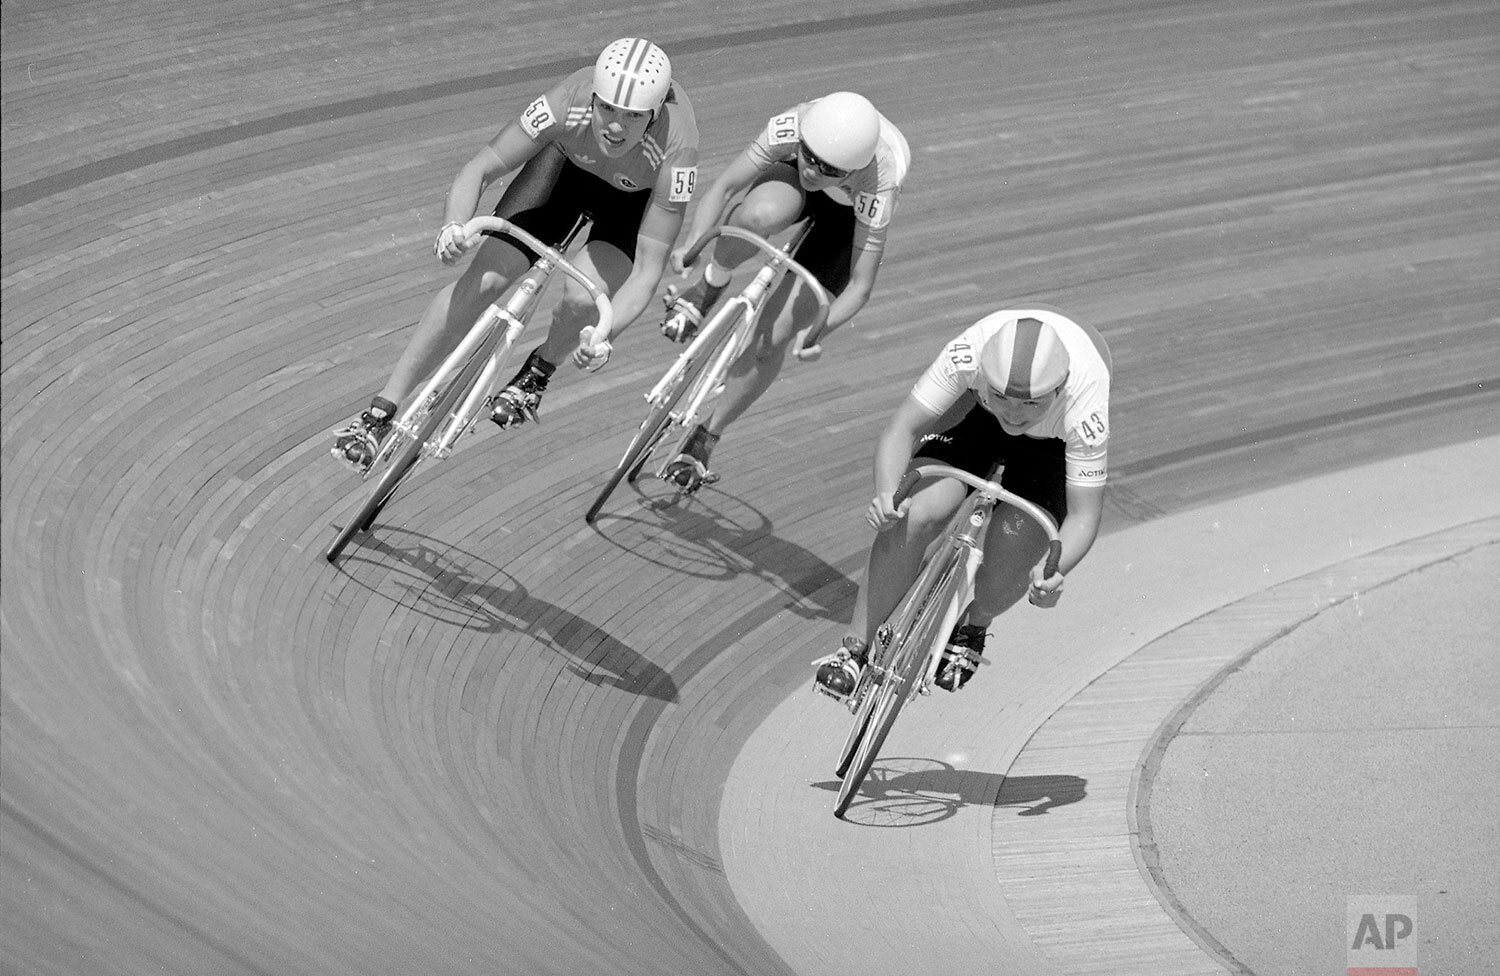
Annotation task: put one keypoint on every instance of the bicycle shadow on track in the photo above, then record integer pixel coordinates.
(455, 587)
(705, 537)
(906, 791)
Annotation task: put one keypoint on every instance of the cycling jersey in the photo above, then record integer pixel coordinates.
(1079, 416)
(871, 191)
(665, 161)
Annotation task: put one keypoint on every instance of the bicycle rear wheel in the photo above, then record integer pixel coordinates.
(399, 457)
(914, 644)
(652, 429)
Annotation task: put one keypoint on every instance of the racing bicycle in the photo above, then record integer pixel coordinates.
(903, 658)
(697, 375)
(455, 397)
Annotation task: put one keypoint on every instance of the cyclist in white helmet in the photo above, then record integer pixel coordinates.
(834, 160)
(1031, 385)
(617, 143)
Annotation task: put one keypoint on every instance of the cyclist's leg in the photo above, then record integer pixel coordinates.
(575, 311)
(1034, 470)
(452, 311)
(827, 252)
(772, 204)
(896, 555)
(606, 257)
(608, 266)
(893, 565)
(758, 366)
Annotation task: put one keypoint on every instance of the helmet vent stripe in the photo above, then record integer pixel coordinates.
(1028, 336)
(630, 71)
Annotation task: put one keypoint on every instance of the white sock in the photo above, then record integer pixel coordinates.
(717, 275)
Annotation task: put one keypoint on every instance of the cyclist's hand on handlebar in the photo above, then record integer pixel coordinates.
(451, 243)
(591, 355)
(675, 259)
(1044, 592)
(806, 354)
(882, 514)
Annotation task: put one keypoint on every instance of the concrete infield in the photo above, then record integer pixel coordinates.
(1241, 721)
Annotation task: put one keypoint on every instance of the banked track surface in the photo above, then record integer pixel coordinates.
(494, 739)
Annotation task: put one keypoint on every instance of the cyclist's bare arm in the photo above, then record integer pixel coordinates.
(893, 454)
(508, 151)
(1081, 526)
(714, 202)
(847, 303)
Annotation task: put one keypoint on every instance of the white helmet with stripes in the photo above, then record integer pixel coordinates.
(1025, 360)
(633, 74)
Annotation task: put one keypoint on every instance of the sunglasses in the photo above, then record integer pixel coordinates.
(811, 158)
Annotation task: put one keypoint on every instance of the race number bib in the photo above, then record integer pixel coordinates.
(538, 117)
(873, 209)
(684, 181)
(1094, 429)
(783, 130)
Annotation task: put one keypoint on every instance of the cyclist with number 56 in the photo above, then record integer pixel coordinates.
(835, 161)
(1032, 387)
(616, 145)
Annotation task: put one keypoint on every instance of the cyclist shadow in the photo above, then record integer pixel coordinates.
(911, 792)
(714, 536)
(453, 586)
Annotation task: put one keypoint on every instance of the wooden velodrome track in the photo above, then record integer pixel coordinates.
(493, 739)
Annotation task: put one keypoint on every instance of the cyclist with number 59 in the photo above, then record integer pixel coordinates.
(835, 161)
(616, 145)
(1032, 386)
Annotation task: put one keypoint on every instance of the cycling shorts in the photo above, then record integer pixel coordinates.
(549, 194)
(977, 444)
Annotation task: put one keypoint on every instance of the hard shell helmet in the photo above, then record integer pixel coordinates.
(842, 129)
(633, 74)
(1025, 360)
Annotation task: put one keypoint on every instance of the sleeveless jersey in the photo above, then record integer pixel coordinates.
(665, 161)
(1079, 416)
(871, 191)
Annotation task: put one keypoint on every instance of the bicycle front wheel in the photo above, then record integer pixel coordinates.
(918, 636)
(885, 705)
(399, 456)
(857, 731)
(652, 430)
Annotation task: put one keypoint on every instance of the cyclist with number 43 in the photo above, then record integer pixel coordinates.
(834, 160)
(616, 144)
(1032, 388)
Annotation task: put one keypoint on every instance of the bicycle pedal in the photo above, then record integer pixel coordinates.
(850, 701)
(819, 689)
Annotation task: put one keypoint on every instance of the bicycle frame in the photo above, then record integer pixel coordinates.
(451, 401)
(513, 315)
(904, 657)
(743, 310)
(721, 340)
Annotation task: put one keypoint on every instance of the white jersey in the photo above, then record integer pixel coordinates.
(1079, 416)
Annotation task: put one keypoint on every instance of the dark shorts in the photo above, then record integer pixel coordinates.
(977, 444)
(549, 194)
(828, 249)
